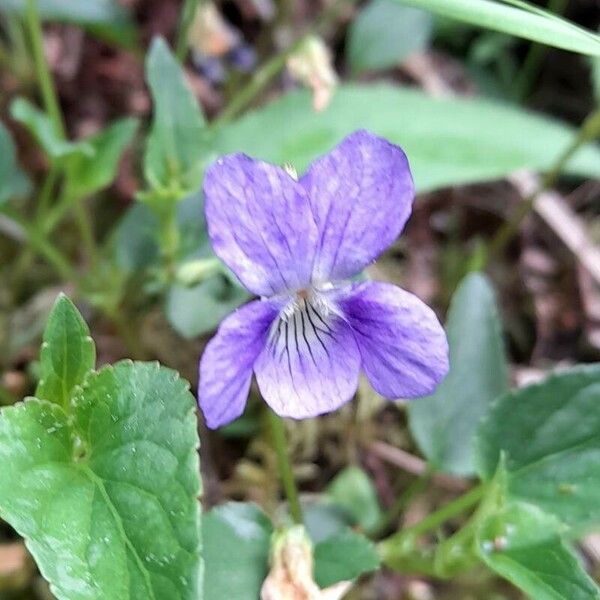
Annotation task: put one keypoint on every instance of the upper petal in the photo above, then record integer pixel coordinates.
(361, 194)
(403, 346)
(260, 224)
(310, 364)
(227, 362)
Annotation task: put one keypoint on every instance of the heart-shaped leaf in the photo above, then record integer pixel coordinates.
(522, 544)
(549, 436)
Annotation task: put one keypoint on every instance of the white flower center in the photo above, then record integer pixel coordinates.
(305, 323)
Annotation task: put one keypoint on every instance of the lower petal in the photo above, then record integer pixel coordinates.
(403, 347)
(227, 363)
(310, 364)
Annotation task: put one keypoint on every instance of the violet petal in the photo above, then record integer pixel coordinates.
(227, 362)
(361, 194)
(403, 347)
(260, 224)
(309, 367)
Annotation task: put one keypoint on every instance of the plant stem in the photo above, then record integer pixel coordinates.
(285, 468)
(86, 230)
(45, 195)
(187, 18)
(43, 247)
(531, 65)
(440, 516)
(271, 68)
(413, 490)
(41, 67)
(589, 130)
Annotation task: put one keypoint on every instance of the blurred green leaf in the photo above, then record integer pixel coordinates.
(106, 493)
(176, 145)
(89, 174)
(516, 18)
(68, 353)
(134, 239)
(353, 490)
(344, 557)
(106, 18)
(549, 434)
(237, 540)
(324, 519)
(42, 129)
(195, 310)
(445, 423)
(13, 182)
(448, 141)
(384, 33)
(522, 544)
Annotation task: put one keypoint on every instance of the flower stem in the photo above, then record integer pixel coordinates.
(285, 468)
(188, 13)
(41, 68)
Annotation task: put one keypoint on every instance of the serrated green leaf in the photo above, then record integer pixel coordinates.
(106, 497)
(42, 129)
(13, 182)
(173, 158)
(516, 18)
(107, 18)
(549, 434)
(90, 174)
(344, 557)
(353, 490)
(445, 423)
(523, 544)
(384, 33)
(237, 539)
(68, 353)
(448, 141)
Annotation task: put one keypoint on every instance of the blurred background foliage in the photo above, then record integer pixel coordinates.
(110, 117)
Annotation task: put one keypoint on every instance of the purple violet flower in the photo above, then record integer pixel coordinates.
(295, 243)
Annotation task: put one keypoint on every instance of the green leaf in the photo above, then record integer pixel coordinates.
(549, 434)
(237, 539)
(522, 544)
(195, 310)
(13, 182)
(385, 33)
(173, 159)
(106, 18)
(90, 174)
(445, 423)
(42, 129)
(106, 496)
(324, 519)
(353, 490)
(448, 141)
(595, 66)
(516, 18)
(68, 353)
(134, 239)
(344, 557)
